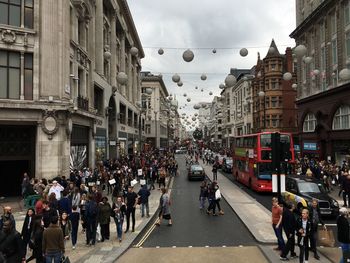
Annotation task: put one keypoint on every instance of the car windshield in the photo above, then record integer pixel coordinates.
(307, 187)
(229, 161)
(196, 168)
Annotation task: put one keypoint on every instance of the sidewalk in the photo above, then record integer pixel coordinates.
(107, 251)
(258, 220)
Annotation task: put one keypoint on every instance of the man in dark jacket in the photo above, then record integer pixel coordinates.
(289, 224)
(91, 213)
(131, 202)
(48, 213)
(315, 218)
(343, 231)
(11, 244)
(143, 194)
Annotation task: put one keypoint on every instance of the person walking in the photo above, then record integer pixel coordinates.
(66, 226)
(27, 227)
(162, 176)
(203, 194)
(91, 213)
(343, 231)
(303, 233)
(7, 216)
(74, 219)
(289, 225)
(53, 242)
(143, 195)
(11, 244)
(164, 204)
(277, 217)
(215, 171)
(56, 188)
(104, 218)
(48, 213)
(131, 202)
(217, 198)
(36, 240)
(119, 210)
(315, 218)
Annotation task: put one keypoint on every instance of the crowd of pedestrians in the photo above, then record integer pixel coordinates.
(89, 199)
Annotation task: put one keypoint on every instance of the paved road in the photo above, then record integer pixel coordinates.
(192, 226)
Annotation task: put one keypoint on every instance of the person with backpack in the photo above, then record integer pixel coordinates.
(91, 214)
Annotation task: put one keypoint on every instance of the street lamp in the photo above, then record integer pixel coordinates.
(261, 95)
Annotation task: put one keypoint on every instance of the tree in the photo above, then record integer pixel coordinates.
(198, 134)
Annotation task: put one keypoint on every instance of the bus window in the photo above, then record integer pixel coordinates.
(285, 147)
(254, 141)
(265, 140)
(265, 171)
(250, 142)
(245, 142)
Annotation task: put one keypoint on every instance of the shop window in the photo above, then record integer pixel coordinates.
(122, 113)
(98, 100)
(341, 118)
(309, 124)
(130, 117)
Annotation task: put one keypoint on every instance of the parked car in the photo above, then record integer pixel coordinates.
(196, 171)
(181, 150)
(227, 165)
(300, 190)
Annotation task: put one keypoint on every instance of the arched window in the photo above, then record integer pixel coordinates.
(341, 119)
(309, 124)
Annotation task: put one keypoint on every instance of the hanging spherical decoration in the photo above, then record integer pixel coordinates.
(196, 106)
(134, 51)
(196, 87)
(214, 51)
(122, 78)
(300, 51)
(287, 76)
(196, 114)
(316, 72)
(138, 103)
(149, 91)
(160, 51)
(179, 83)
(188, 55)
(202, 90)
(307, 60)
(170, 98)
(344, 74)
(203, 77)
(204, 105)
(194, 118)
(176, 78)
(107, 54)
(222, 86)
(243, 52)
(294, 86)
(210, 93)
(188, 99)
(230, 80)
(185, 95)
(261, 94)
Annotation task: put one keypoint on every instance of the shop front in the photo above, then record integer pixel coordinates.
(79, 148)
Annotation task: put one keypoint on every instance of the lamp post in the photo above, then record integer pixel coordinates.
(262, 96)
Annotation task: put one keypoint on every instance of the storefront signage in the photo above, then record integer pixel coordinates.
(310, 146)
(112, 143)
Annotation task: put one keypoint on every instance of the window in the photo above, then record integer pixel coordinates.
(347, 44)
(10, 12)
(322, 32)
(122, 114)
(347, 14)
(10, 75)
(136, 118)
(274, 103)
(341, 118)
(333, 24)
(275, 121)
(309, 124)
(148, 128)
(334, 52)
(265, 140)
(28, 76)
(98, 100)
(130, 118)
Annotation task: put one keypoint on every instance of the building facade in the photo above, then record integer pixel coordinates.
(62, 107)
(274, 97)
(323, 98)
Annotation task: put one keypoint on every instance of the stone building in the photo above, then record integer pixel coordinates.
(273, 97)
(323, 99)
(61, 104)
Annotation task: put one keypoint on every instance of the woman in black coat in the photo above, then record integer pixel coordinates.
(37, 240)
(304, 231)
(27, 226)
(343, 230)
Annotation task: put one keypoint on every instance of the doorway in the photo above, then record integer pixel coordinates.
(12, 175)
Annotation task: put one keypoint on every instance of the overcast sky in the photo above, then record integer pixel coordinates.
(204, 25)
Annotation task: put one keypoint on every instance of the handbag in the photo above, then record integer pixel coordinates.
(326, 238)
(217, 194)
(31, 243)
(65, 259)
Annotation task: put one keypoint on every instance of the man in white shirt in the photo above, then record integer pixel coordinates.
(57, 189)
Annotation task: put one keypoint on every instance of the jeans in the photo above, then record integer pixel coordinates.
(91, 227)
(304, 250)
(278, 233)
(143, 206)
(119, 228)
(55, 256)
(202, 202)
(345, 248)
(290, 246)
(74, 235)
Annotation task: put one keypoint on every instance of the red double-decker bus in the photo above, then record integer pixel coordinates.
(252, 159)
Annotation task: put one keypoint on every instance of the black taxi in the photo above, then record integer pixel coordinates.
(300, 190)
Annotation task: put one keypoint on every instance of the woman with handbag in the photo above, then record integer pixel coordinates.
(66, 226)
(304, 232)
(35, 242)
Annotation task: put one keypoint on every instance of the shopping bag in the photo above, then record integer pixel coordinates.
(142, 182)
(65, 259)
(326, 238)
